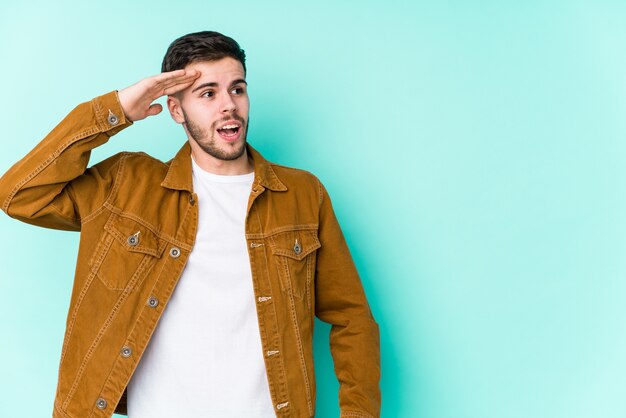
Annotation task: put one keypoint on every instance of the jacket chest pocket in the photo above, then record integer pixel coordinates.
(294, 255)
(126, 252)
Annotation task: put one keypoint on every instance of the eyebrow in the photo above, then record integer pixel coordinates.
(214, 84)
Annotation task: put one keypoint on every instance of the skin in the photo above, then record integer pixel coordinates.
(201, 109)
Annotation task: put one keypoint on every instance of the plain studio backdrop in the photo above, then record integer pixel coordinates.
(474, 151)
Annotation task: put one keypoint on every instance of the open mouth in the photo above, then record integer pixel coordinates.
(229, 131)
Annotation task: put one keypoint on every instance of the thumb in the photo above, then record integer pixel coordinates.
(154, 109)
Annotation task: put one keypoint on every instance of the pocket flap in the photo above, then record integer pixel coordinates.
(134, 237)
(295, 244)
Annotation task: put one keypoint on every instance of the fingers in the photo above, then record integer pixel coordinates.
(159, 78)
(173, 81)
(181, 85)
(136, 100)
(154, 109)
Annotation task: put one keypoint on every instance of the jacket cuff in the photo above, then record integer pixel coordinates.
(109, 114)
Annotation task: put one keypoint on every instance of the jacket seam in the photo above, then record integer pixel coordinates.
(152, 228)
(266, 340)
(113, 190)
(60, 411)
(101, 253)
(320, 192)
(355, 414)
(301, 170)
(95, 104)
(74, 315)
(120, 300)
(149, 330)
(93, 215)
(281, 386)
(309, 277)
(276, 231)
(106, 243)
(294, 319)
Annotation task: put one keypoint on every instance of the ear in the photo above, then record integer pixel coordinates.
(176, 111)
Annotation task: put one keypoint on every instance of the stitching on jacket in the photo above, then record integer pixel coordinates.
(70, 326)
(59, 411)
(279, 250)
(141, 271)
(93, 215)
(320, 192)
(151, 227)
(300, 170)
(120, 167)
(276, 231)
(118, 175)
(150, 328)
(284, 278)
(271, 179)
(309, 277)
(136, 324)
(265, 338)
(294, 318)
(140, 340)
(181, 228)
(46, 163)
(97, 110)
(144, 249)
(123, 296)
(106, 243)
(280, 392)
(94, 263)
(355, 414)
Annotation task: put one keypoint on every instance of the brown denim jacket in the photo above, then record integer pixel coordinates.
(138, 218)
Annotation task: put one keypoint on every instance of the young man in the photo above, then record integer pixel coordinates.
(198, 279)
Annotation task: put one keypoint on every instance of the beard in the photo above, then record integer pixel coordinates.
(208, 142)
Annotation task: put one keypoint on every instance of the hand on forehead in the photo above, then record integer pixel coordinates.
(221, 73)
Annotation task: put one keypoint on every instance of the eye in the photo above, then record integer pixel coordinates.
(237, 90)
(208, 93)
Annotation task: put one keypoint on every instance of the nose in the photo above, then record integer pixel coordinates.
(228, 104)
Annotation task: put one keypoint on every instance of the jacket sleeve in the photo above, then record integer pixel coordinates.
(50, 186)
(354, 337)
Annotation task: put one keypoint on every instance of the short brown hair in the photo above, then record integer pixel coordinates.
(201, 46)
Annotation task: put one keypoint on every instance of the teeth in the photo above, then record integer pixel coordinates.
(229, 127)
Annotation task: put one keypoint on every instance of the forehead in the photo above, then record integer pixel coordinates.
(221, 71)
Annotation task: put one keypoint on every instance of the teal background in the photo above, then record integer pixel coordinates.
(474, 152)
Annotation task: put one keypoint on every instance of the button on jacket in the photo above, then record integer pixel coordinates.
(138, 218)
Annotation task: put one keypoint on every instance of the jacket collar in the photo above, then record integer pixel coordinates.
(178, 175)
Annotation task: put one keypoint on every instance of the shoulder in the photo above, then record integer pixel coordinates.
(127, 167)
(291, 174)
(134, 161)
(132, 158)
(290, 177)
(300, 182)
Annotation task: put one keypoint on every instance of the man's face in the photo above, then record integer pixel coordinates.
(214, 109)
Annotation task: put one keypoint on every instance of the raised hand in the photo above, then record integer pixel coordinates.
(136, 100)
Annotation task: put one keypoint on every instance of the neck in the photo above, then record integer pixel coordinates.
(241, 165)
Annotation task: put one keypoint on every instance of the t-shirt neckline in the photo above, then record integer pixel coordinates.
(218, 178)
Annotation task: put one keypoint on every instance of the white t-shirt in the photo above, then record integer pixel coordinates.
(205, 358)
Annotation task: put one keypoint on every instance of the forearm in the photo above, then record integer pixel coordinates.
(36, 189)
(355, 348)
(356, 355)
